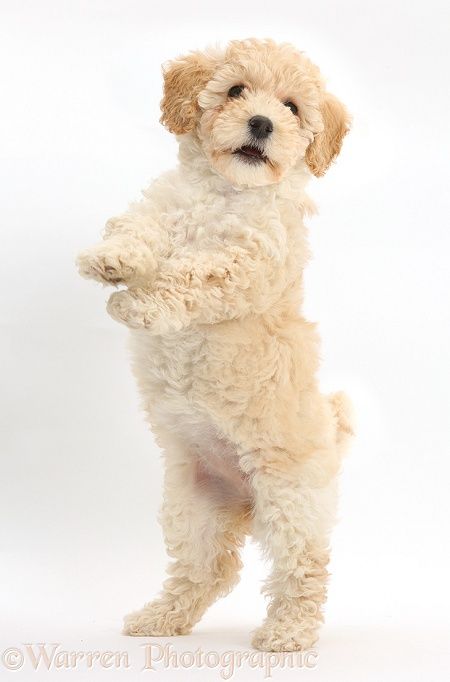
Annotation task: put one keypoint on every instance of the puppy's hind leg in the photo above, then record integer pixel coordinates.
(292, 521)
(204, 540)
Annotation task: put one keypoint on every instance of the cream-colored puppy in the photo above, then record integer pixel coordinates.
(212, 259)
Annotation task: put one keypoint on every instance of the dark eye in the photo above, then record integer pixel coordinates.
(293, 107)
(235, 91)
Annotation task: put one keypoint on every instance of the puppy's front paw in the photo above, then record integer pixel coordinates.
(283, 636)
(127, 308)
(141, 309)
(109, 264)
(156, 620)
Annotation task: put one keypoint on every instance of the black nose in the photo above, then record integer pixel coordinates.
(260, 127)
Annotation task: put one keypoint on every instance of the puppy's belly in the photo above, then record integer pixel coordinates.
(165, 386)
(217, 470)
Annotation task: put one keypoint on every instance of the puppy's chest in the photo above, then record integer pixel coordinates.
(223, 221)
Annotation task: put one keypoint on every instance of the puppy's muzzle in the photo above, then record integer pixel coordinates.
(260, 127)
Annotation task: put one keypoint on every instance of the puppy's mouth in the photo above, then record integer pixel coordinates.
(251, 154)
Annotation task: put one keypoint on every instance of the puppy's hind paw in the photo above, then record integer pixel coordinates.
(279, 636)
(154, 620)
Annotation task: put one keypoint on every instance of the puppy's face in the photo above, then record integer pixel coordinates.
(258, 110)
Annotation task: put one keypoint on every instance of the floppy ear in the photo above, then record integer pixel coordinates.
(184, 79)
(327, 144)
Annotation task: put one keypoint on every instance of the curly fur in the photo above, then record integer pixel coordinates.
(212, 259)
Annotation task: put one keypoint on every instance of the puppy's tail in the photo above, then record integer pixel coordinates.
(343, 416)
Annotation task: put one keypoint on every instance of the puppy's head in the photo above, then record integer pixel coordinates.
(258, 110)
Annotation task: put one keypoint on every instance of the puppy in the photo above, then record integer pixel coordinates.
(212, 261)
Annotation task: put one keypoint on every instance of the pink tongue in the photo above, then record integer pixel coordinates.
(251, 151)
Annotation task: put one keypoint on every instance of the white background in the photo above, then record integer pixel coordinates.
(80, 474)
